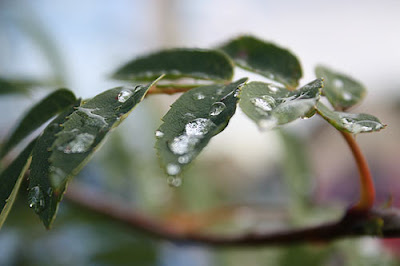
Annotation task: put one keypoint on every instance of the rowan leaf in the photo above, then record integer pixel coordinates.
(41, 112)
(176, 64)
(270, 106)
(265, 58)
(192, 121)
(342, 91)
(10, 181)
(348, 122)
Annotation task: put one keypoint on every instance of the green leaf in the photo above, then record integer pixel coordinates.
(69, 142)
(192, 121)
(178, 63)
(266, 59)
(341, 90)
(38, 115)
(10, 181)
(351, 123)
(271, 106)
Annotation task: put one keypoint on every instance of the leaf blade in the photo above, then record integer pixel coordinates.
(348, 122)
(10, 181)
(342, 91)
(178, 63)
(264, 58)
(269, 106)
(37, 115)
(69, 142)
(192, 121)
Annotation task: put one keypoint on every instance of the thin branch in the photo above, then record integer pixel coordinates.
(383, 223)
(167, 90)
(367, 189)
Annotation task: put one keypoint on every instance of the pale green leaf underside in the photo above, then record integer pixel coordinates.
(10, 181)
(66, 146)
(192, 121)
(265, 58)
(177, 64)
(341, 90)
(270, 106)
(351, 123)
(38, 115)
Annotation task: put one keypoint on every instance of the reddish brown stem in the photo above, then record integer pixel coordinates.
(172, 90)
(367, 189)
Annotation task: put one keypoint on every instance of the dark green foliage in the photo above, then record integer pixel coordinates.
(192, 121)
(10, 181)
(178, 63)
(270, 106)
(342, 91)
(37, 116)
(265, 58)
(352, 123)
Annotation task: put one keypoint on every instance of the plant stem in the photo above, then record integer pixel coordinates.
(367, 189)
(352, 224)
(172, 90)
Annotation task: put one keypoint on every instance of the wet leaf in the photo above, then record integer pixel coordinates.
(69, 142)
(37, 116)
(342, 91)
(270, 106)
(192, 121)
(352, 123)
(266, 59)
(178, 63)
(10, 181)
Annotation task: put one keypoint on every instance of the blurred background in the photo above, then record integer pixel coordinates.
(245, 180)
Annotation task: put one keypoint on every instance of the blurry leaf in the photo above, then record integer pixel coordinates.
(11, 87)
(10, 181)
(178, 63)
(65, 147)
(305, 255)
(38, 115)
(270, 106)
(192, 121)
(266, 59)
(297, 171)
(352, 123)
(341, 90)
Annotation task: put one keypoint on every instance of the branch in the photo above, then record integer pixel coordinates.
(382, 223)
(167, 90)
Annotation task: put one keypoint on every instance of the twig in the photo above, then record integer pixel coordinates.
(383, 223)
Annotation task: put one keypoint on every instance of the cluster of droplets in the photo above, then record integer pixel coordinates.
(360, 126)
(36, 199)
(79, 144)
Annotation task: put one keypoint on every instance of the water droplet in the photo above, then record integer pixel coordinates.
(265, 103)
(36, 199)
(184, 159)
(189, 116)
(220, 91)
(80, 144)
(347, 96)
(273, 88)
(338, 83)
(199, 96)
(173, 169)
(124, 95)
(236, 93)
(159, 134)
(198, 127)
(266, 124)
(138, 88)
(183, 144)
(217, 108)
(174, 181)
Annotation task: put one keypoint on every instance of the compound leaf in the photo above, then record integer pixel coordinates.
(270, 106)
(192, 121)
(10, 181)
(265, 58)
(347, 122)
(51, 105)
(178, 63)
(342, 91)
